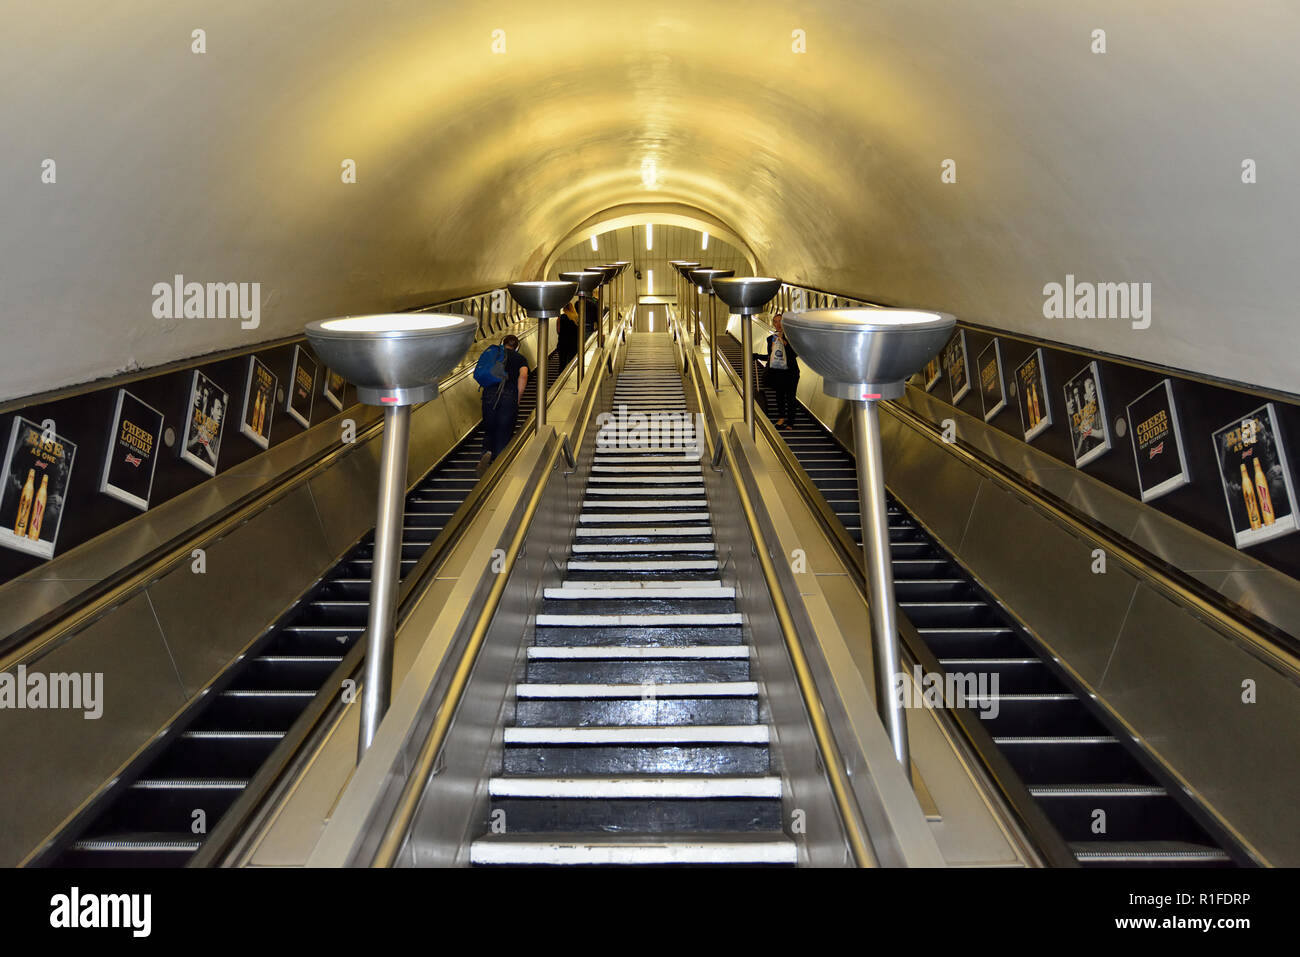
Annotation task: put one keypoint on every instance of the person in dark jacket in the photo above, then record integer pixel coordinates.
(782, 375)
(566, 335)
(501, 404)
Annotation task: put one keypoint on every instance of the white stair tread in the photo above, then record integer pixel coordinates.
(658, 689)
(656, 546)
(675, 490)
(685, 531)
(690, 565)
(648, 516)
(677, 786)
(599, 849)
(647, 459)
(615, 621)
(607, 594)
(673, 479)
(623, 652)
(644, 735)
(653, 467)
(644, 584)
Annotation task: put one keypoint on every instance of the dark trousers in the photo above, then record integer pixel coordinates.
(783, 386)
(498, 419)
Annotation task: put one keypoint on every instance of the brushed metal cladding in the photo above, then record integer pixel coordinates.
(345, 496)
(22, 601)
(1180, 685)
(922, 475)
(431, 438)
(1266, 592)
(53, 759)
(1044, 574)
(253, 574)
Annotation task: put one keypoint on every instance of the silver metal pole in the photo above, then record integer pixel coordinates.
(880, 576)
(600, 318)
(747, 348)
(543, 368)
(697, 316)
(582, 339)
(385, 574)
(713, 342)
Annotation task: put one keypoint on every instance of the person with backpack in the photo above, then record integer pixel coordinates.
(502, 374)
(782, 375)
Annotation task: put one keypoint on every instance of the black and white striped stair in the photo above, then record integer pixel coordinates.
(637, 737)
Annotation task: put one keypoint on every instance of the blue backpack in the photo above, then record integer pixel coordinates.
(491, 366)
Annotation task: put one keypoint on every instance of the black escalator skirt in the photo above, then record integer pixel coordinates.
(1084, 774)
(187, 782)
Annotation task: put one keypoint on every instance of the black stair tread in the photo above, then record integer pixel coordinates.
(1152, 851)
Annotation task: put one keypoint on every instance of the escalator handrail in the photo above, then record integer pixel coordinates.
(1019, 803)
(43, 635)
(841, 790)
(399, 823)
(228, 838)
(1262, 639)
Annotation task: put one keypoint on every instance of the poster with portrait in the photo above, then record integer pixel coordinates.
(259, 402)
(957, 365)
(993, 387)
(302, 387)
(1085, 411)
(1157, 442)
(132, 455)
(1256, 477)
(333, 389)
(37, 469)
(205, 420)
(1031, 396)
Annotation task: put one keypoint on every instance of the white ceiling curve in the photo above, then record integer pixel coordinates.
(473, 166)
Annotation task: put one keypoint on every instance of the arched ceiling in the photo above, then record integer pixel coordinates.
(473, 166)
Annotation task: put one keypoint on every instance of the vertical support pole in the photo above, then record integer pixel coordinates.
(880, 576)
(697, 314)
(386, 575)
(600, 318)
(747, 360)
(582, 339)
(543, 369)
(714, 355)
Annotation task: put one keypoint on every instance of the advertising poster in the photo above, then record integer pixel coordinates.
(205, 418)
(333, 390)
(1256, 477)
(1031, 396)
(132, 453)
(259, 402)
(957, 366)
(993, 388)
(37, 469)
(1085, 410)
(931, 374)
(1157, 442)
(302, 387)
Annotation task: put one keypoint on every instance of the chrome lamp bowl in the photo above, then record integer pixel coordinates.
(393, 359)
(867, 353)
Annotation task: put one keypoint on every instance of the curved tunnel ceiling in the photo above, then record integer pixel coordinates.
(473, 166)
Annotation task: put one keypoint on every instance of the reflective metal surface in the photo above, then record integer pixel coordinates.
(543, 299)
(745, 294)
(393, 359)
(867, 353)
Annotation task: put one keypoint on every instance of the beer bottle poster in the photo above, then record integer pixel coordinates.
(1031, 396)
(37, 468)
(957, 366)
(993, 389)
(1085, 410)
(259, 402)
(205, 419)
(333, 389)
(1157, 442)
(1256, 477)
(132, 453)
(302, 387)
(931, 374)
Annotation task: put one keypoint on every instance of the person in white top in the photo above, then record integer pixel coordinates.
(782, 375)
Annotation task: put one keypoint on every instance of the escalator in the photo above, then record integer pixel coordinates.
(195, 771)
(635, 735)
(1111, 807)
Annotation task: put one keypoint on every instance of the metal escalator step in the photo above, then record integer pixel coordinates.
(669, 689)
(1146, 852)
(632, 849)
(646, 788)
(642, 735)
(651, 620)
(634, 592)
